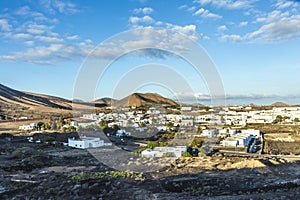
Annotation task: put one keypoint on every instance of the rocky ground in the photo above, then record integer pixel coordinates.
(38, 171)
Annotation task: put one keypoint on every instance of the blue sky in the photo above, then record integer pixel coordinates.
(254, 45)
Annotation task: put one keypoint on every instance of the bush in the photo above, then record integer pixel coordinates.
(104, 175)
(167, 154)
(197, 142)
(16, 154)
(186, 154)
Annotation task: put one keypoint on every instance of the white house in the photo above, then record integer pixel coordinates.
(209, 133)
(240, 139)
(164, 152)
(186, 108)
(74, 123)
(122, 132)
(253, 132)
(28, 127)
(232, 132)
(87, 142)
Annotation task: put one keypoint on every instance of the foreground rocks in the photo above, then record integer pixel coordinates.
(56, 172)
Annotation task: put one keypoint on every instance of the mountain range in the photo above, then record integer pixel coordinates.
(14, 103)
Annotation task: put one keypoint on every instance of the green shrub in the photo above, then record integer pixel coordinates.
(186, 154)
(101, 175)
(16, 154)
(167, 154)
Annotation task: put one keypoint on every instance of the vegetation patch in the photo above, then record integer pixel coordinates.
(105, 175)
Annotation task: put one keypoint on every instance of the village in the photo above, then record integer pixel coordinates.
(226, 129)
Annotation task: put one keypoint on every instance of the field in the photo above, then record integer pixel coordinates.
(31, 171)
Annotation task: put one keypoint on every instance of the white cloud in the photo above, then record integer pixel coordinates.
(187, 30)
(159, 23)
(145, 19)
(284, 29)
(231, 38)
(65, 7)
(207, 14)
(73, 37)
(192, 96)
(182, 7)
(277, 26)
(140, 39)
(145, 11)
(21, 36)
(37, 53)
(191, 9)
(222, 28)
(38, 29)
(4, 25)
(25, 10)
(54, 6)
(35, 31)
(49, 39)
(29, 43)
(245, 23)
(275, 15)
(189, 96)
(228, 4)
(282, 4)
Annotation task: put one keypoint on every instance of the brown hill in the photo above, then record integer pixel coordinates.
(280, 104)
(15, 103)
(27, 99)
(140, 99)
(106, 101)
(253, 105)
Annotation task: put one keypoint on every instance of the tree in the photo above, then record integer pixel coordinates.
(60, 121)
(64, 129)
(102, 124)
(199, 129)
(40, 125)
(278, 119)
(197, 142)
(72, 128)
(152, 145)
(142, 124)
(186, 154)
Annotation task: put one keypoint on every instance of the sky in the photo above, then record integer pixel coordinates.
(254, 46)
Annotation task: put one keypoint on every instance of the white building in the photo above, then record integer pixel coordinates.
(87, 142)
(164, 152)
(27, 127)
(240, 139)
(122, 132)
(74, 123)
(209, 133)
(253, 132)
(186, 108)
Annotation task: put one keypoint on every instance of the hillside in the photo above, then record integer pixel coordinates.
(140, 99)
(106, 101)
(15, 103)
(280, 104)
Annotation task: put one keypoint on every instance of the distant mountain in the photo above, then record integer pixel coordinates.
(27, 99)
(104, 101)
(143, 99)
(19, 103)
(254, 105)
(280, 104)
